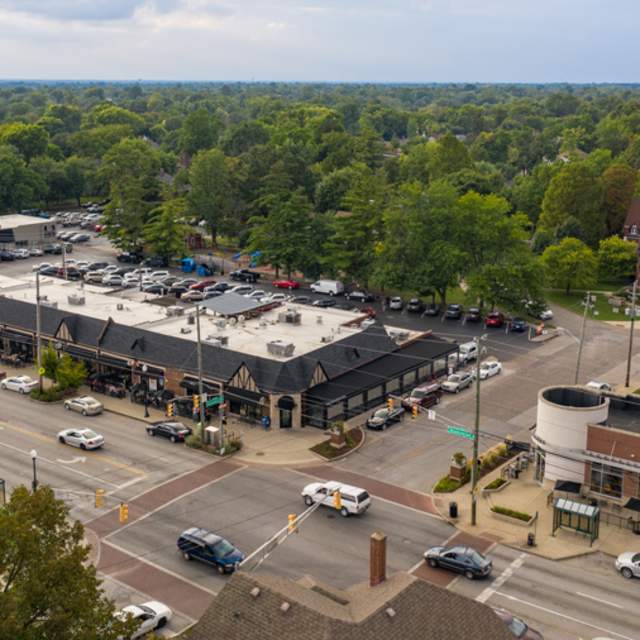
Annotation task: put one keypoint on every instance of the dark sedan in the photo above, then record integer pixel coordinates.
(301, 300)
(49, 271)
(415, 305)
(431, 309)
(454, 312)
(518, 324)
(473, 314)
(466, 560)
(323, 303)
(175, 431)
(382, 418)
(360, 296)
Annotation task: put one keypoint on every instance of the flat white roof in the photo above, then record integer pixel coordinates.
(317, 328)
(14, 220)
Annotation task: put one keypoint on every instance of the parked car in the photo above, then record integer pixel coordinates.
(21, 384)
(257, 294)
(129, 256)
(240, 289)
(7, 256)
(286, 284)
(40, 265)
(360, 296)
(598, 386)
(51, 270)
(150, 616)
(220, 286)
(468, 351)
(156, 288)
(21, 254)
(35, 252)
(244, 275)
(415, 305)
(82, 438)
(52, 248)
(156, 262)
(519, 628)
(71, 273)
(628, 564)
(86, 405)
(396, 304)
(382, 418)
(79, 238)
(97, 265)
(276, 297)
(494, 319)
(301, 300)
(427, 395)
(473, 314)
(518, 324)
(488, 369)
(113, 280)
(175, 431)
(323, 303)
(202, 285)
(158, 275)
(454, 312)
(328, 287)
(167, 281)
(203, 545)
(456, 382)
(354, 500)
(192, 295)
(94, 277)
(466, 560)
(211, 294)
(431, 309)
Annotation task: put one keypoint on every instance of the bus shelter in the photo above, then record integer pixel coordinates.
(581, 517)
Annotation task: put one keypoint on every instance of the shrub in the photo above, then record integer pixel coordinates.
(47, 395)
(496, 484)
(446, 485)
(489, 461)
(518, 515)
(194, 441)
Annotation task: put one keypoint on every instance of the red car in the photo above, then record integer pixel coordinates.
(494, 319)
(203, 284)
(286, 284)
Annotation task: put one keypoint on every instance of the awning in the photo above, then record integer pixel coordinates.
(244, 395)
(191, 384)
(286, 402)
(633, 504)
(567, 486)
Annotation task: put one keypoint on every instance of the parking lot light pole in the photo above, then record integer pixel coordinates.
(476, 434)
(34, 460)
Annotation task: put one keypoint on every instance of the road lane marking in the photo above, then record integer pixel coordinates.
(611, 604)
(501, 579)
(563, 615)
(124, 485)
(72, 461)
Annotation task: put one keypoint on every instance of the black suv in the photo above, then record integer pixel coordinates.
(244, 275)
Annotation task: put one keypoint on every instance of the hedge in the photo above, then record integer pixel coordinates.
(518, 515)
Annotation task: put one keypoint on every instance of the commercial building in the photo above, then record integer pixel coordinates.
(296, 364)
(18, 231)
(592, 440)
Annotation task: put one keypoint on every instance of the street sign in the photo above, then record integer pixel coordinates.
(214, 400)
(459, 431)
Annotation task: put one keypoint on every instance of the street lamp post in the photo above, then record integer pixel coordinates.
(145, 386)
(34, 459)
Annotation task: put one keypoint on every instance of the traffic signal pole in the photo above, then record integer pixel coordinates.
(200, 383)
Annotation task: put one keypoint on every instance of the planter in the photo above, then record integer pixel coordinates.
(338, 440)
(511, 520)
(457, 467)
(486, 491)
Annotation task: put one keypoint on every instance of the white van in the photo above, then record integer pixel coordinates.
(353, 499)
(468, 351)
(330, 287)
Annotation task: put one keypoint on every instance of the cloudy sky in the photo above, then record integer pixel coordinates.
(332, 40)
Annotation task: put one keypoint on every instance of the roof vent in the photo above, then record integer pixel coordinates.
(221, 323)
(255, 592)
(326, 339)
(191, 319)
(76, 300)
(281, 348)
(185, 330)
(390, 612)
(48, 303)
(120, 306)
(284, 607)
(174, 310)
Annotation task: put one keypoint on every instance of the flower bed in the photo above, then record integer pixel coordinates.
(513, 516)
(496, 485)
(353, 437)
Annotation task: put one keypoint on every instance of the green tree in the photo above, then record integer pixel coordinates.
(76, 170)
(613, 133)
(570, 265)
(70, 373)
(619, 183)
(19, 184)
(199, 131)
(617, 258)
(50, 590)
(166, 231)
(29, 139)
(448, 155)
(50, 362)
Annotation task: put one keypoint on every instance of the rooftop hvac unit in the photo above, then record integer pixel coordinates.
(48, 303)
(221, 323)
(326, 338)
(398, 335)
(191, 319)
(218, 341)
(280, 348)
(184, 330)
(75, 299)
(174, 310)
(291, 316)
(120, 306)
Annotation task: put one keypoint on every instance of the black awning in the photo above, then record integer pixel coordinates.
(633, 504)
(117, 363)
(243, 395)
(286, 402)
(191, 384)
(567, 486)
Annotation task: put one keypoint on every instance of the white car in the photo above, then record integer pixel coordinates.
(113, 280)
(277, 297)
(94, 276)
(86, 405)
(36, 251)
(151, 615)
(83, 438)
(352, 501)
(546, 314)
(21, 253)
(158, 275)
(456, 382)
(598, 386)
(628, 564)
(488, 369)
(258, 294)
(21, 384)
(111, 268)
(240, 289)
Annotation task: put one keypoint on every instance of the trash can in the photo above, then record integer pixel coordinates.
(531, 540)
(453, 510)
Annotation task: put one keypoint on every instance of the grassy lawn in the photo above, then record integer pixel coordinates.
(573, 302)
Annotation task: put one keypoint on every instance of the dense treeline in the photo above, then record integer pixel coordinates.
(407, 186)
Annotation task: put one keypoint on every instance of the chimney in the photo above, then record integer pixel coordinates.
(378, 559)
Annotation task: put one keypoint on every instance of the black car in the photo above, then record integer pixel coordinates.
(382, 418)
(157, 288)
(49, 271)
(177, 290)
(454, 312)
(518, 324)
(301, 300)
(71, 273)
(121, 271)
(415, 305)
(219, 286)
(360, 296)
(156, 262)
(473, 314)
(325, 302)
(466, 560)
(129, 256)
(53, 248)
(244, 275)
(431, 309)
(7, 256)
(175, 431)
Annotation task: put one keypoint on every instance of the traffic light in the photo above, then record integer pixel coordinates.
(414, 411)
(390, 403)
(196, 403)
(170, 409)
(337, 500)
(124, 512)
(99, 498)
(292, 526)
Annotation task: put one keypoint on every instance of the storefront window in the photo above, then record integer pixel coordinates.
(606, 480)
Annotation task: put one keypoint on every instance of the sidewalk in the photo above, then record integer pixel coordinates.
(525, 494)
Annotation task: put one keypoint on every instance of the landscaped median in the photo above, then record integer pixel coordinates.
(341, 442)
(513, 516)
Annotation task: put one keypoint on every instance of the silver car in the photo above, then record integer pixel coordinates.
(628, 564)
(456, 382)
(83, 438)
(86, 405)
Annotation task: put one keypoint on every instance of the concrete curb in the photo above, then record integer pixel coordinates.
(128, 415)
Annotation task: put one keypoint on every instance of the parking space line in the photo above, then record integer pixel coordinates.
(607, 602)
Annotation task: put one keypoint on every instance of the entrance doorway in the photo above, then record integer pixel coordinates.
(285, 407)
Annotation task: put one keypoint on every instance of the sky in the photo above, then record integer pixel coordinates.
(321, 40)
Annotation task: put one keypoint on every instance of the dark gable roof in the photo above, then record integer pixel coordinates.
(338, 358)
(316, 612)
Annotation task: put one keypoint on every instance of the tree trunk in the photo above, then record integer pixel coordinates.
(214, 235)
(568, 289)
(443, 296)
(78, 201)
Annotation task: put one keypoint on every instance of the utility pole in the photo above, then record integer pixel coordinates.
(38, 331)
(587, 304)
(64, 260)
(476, 434)
(200, 383)
(633, 319)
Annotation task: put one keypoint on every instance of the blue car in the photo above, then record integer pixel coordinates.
(200, 544)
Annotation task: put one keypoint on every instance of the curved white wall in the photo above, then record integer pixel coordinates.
(561, 428)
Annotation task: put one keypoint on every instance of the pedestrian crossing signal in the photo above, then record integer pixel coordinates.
(124, 512)
(414, 411)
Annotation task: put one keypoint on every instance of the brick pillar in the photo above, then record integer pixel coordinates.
(378, 559)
